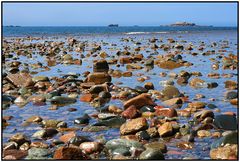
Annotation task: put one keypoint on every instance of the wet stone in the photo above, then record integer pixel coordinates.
(18, 79)
(170, 92)
(45, 133)
(226, 122)
(94, 128)
(157, 145)
(147, 109)
(151, 154)
(121, 151)
(14, 154)
(114, 122)
(140, 89)
(166, 112)
(90, 147)
(99, 78)
(38, 153)
(133, 126)
(68, 153)
(231, 95)
(62, 100)
(77, 140)
(117, 143)
(231, 138)
(165, 130)
(40, 79)
(130, 113)
(100, 66)
(143, 135)
(19, 138)
(82, 120)
(225, 153)
(139, 101)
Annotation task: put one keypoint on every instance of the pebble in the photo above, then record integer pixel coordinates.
(151, 154)
(133, 126)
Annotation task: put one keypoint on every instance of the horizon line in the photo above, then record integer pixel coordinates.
(109, 24)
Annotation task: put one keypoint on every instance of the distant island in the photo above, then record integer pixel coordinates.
(113, 25)
(12, 26)
(183, 24)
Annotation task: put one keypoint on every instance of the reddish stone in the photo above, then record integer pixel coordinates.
(230, 113)
(66, 137)
(14, 154)
(234, 101)
(125, 60)
(99, 77)
(139, 101)
(158, 107)
(86, 98)
(69, 153)
(7, 117)
(167, 112)
(130, 113)
(18, 79)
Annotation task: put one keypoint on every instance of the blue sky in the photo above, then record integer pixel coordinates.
(124, 14)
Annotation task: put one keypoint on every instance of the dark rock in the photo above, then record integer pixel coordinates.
(82, 120)
(62, 100)
(115, 122)
(143, 135)
(140, 89)
(105, 95)
(100, 66)
(231, 95)
(226, 122)
(148, 85)
(151, 154)
(147, 109)
(77, 140)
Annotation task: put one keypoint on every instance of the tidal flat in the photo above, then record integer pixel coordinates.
(121, 96)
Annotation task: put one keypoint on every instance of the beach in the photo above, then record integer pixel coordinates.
(120, 93)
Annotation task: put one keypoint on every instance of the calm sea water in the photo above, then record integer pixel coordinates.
(51, 31)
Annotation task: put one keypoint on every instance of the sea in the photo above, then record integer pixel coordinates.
(9, 31)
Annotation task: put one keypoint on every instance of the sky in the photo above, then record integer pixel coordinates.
(124, 14)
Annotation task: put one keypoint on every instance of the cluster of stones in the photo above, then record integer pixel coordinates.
(143, 124)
